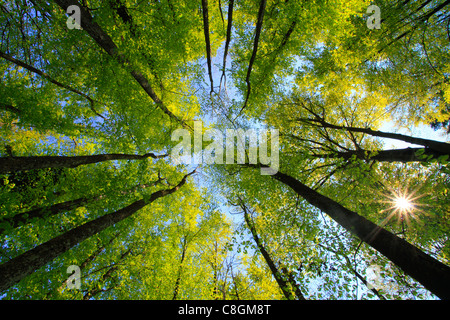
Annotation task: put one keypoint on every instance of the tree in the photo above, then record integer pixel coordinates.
(283, 283)
(87, 176)
(11, 164)
(19, 267)
(404, 255)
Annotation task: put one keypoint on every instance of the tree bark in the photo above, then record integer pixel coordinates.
(105, 41)
(436, 146)
(11, 164)
(391, 155)
(180, 269)
(26, 217)
(283, 284)
(432, 274)
(228, 37)
(207, 42)
(25, 264)
(259, 22)
(288, 274)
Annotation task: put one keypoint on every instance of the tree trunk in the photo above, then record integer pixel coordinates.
(437, 146)
(25, 264)
(392, 155)
(214, 267)
(106, 42)
(180, 269)
(432, 274)
(294, 285)
(258, 28)
(26, 217)
(228, 38)
(51, 210)
(12, 164)
(207, 42)
(83, 265)
(284, 285)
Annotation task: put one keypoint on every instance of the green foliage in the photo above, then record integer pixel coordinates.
(63, 94)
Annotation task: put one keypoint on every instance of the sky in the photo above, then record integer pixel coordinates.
(421, 131)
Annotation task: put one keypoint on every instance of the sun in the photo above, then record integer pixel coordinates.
(403, 204)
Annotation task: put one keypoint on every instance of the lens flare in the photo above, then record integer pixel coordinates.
(403, 204)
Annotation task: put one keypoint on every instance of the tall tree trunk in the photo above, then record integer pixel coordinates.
(236, 291)
(106, 42)
(25, 264)
(207, 42)
(228, 38)
(391, 155)
(259, 22)
(51, 210)
(437, 146)
(294, 285)
(12, 164)
(83, 265)
(180, 269)
(27, 217)
(283, 284)
(214, 266)
(432, 274)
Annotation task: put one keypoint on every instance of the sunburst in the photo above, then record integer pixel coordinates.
(403, 204)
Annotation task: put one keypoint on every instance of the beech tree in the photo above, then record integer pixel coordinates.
(92, 92)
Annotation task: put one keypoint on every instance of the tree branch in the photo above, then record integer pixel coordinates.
(47, 77)
(105, 41)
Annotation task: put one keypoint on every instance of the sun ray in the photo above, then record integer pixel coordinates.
(402, 203)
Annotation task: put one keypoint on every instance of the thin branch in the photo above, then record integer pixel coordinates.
(49, 78)
(357, 274)
(105, 41)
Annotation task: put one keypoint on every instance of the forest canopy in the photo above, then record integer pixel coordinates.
(325, 124)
